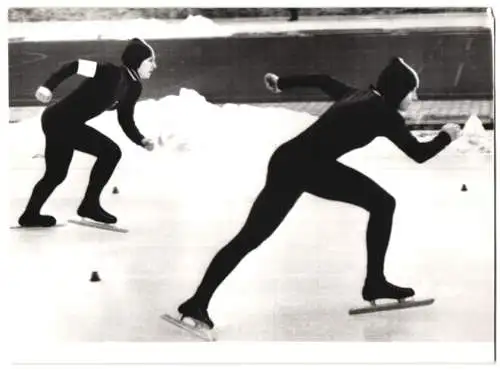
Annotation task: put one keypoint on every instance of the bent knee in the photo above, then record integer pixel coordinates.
(113, 153)
(384, 203)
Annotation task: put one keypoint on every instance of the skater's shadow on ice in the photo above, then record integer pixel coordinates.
(390, 327)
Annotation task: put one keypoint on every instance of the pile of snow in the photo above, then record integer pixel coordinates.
(200, 26)
(188, 122)
(474, 138)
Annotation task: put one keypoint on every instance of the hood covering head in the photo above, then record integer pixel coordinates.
(395, 81)
(136, 51)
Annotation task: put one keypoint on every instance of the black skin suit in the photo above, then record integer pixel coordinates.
(308, 163)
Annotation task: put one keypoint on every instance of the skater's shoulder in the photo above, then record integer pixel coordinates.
(106, 67)
(360, 100)
(107, 72)
(110, 66)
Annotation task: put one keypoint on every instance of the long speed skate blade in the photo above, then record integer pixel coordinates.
(18, 227)
(98, 225)
(199, 332)
(391, 306)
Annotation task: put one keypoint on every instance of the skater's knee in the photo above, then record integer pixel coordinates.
(385, 203)
(113, 154)
(390, 202)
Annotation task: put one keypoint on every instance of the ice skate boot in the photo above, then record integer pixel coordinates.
(192, 310)
(383, 289)
(96, 213)
(28, 219)
(193, 319)
(95, 216)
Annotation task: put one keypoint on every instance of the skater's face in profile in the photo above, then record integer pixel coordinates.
(146, 68)
(408, 99)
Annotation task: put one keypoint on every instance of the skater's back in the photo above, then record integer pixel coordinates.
(352, 122)
(359, 116)
(94, 95)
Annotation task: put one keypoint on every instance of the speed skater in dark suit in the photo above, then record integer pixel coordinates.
(106, 87)
(308, 163)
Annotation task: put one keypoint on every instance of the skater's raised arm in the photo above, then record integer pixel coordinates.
(82, 67)
(420, 152)
(329, 85)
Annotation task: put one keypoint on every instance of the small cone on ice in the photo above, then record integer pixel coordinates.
(95, 277)
(115, 190)
(464, 187)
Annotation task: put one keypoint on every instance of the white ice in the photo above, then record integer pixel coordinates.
(183, 201)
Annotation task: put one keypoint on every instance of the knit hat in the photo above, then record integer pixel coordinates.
(396, 80)
(136, 51)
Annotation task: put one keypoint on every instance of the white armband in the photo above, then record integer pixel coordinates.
(86, 68)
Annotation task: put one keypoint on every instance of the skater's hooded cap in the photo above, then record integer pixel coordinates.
(396, 80)
(136, 51)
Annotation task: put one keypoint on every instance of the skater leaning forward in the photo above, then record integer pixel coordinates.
(308, 163)
(106, 87)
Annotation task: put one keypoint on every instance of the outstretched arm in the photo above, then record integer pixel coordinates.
(420, 152)
(82, 67)
(330, 86)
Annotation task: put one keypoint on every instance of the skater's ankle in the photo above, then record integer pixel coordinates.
(88, 203)
(375, 279)
(194, 301)
(200, 301)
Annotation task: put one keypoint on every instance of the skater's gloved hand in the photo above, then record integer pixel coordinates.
(43, 94)
(148, 144)
(271, 81)
(453, 130)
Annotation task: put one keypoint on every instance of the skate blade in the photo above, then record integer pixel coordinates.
(19, 227)
(391, 306)
(198, 330)
(97, 225)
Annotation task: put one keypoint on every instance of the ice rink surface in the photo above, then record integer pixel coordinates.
(186, 199)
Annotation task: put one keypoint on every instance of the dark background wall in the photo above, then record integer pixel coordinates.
(452, 64)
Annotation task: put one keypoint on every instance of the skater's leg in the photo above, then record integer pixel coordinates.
(342, 183)
(58, 155)
(281, 191)
(267, 213)
(108, 155)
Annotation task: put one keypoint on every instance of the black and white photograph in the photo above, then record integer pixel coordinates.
(243, 185)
